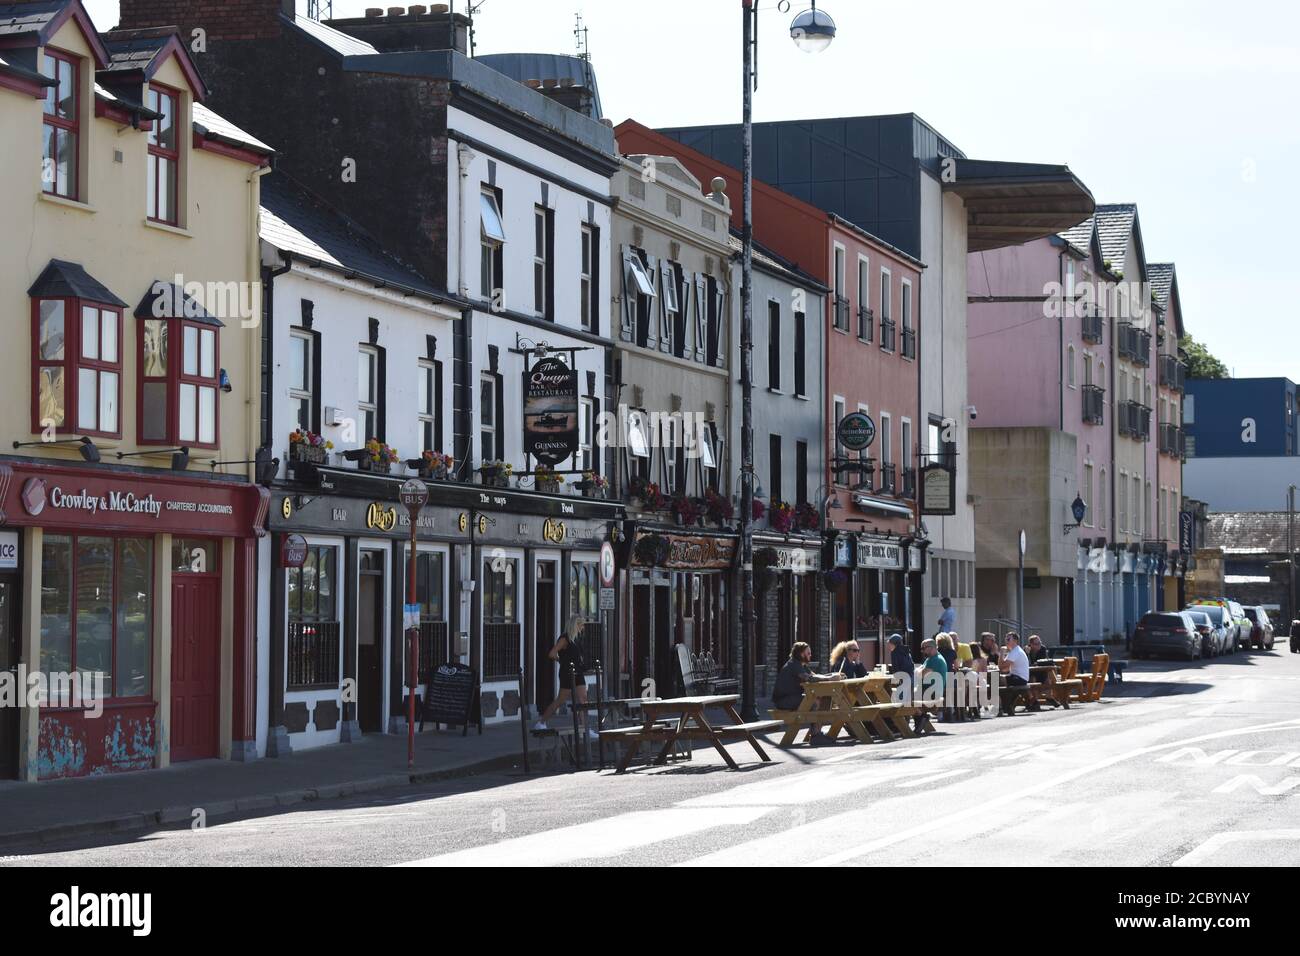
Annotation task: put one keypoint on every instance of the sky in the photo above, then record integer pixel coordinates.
(1189, 109)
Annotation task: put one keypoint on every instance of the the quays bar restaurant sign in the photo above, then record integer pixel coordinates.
(53, 497)
(550, 411)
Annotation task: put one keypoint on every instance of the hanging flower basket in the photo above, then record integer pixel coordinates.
(806, 517)
(688, 511)
(374, 457)
(547, 480)
(652, 550)
(648, 493)
(782, 518)
(719, 507)
(757, 511)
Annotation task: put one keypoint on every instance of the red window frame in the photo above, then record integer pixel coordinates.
(74, 537)
(72, 126)
(176, 377)
(72, 363)
(159, 155)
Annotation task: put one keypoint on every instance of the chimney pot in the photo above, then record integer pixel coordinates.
(396, 11)
(374, 12)
(550, 83)
(534, 84)
(438, 8)
(416, 10)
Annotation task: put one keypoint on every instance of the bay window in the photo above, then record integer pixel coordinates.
(179, 380)
(61, 132)
(164, 156)
(77, 365)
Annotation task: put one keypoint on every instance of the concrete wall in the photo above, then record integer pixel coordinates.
(1234, 484)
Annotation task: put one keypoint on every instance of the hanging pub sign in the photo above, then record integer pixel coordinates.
(293, 551)
(856, 431)
(550, 411)
(938, 490)
(1186, 532)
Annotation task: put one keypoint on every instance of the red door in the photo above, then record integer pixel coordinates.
(196, 666)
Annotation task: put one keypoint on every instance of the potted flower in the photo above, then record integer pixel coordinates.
(374, 456)
(593, 485)
(647, 492)
(687, 510)
(718, 506)
(782, 517)
(806, 517)
(757, 511)
(497, 474)
(306, 445)
(433, 465)
(548, 480)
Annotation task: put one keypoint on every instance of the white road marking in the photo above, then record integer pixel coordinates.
(1220, 840)
(926, 781)
(606, 838)
(945, 823)
(1258, 785)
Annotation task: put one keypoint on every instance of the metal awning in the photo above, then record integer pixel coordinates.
(1012, 203)
(892, 508)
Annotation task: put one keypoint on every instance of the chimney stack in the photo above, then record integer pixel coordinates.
(409, 29)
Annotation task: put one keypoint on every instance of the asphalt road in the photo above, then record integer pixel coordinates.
(1184, 765)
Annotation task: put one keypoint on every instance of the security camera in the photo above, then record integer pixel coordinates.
(974, 412)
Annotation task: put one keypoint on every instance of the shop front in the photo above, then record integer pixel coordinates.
(881, 596)
(677, 591)
(790, 601)
(127, 600)
(497, 573)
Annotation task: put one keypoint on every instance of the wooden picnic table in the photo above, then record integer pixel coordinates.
(691, 724)
(861, 705)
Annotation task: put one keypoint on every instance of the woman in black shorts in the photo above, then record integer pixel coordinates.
(567, 653)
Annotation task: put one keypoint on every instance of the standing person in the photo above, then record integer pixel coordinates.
(567, 653)
(900, 662)
(948, 619)
(1015, 666)
(846, 660)
(1295, 637)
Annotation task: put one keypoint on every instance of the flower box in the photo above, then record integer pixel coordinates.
(311, 454)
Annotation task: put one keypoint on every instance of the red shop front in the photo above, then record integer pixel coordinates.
(131, 594)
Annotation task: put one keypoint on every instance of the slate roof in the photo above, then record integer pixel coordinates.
(1161, 277)
(63, 279)
(335, 40)
(167, 300)
(297, 222)
(1264, 530)
(1115, 231)
(135, 49)
(769, 262)
(1080, 236)
(214, 126)
(17, 19)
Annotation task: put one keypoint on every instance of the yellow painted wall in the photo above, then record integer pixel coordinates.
(109, 236)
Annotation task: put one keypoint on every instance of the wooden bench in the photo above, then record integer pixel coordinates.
(752, 727)
(1095, 682)
(1010, 696)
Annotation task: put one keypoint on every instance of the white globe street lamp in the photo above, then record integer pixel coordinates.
(813, 30)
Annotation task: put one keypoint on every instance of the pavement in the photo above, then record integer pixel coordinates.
(55, 810)
(1184, 764)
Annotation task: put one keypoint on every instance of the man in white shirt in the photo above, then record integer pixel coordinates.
(1015, 664)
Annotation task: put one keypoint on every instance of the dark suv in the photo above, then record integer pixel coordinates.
(1169, 632)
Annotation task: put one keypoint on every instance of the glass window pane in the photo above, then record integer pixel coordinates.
(87, 398)
(49, 67)
(167, 125)
(155, 411)
(108, 336)
(52, 329)
(108, 401)
(308, 598)
(188, 408)
(65, 163)
(51, 396)
(190, 343)
(56, 604)
(424, 390)
(365, 388)
(208, 353)
(134, 617)
(298, 364)
(491, 218)
(151, 194)
(487, 395)
(95, 606)
(325, 583)
(208, 415)
(166, 186)
(155, 348)
(67, 91)
(89, 332)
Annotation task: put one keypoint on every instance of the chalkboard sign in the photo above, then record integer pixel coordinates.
(451, 697)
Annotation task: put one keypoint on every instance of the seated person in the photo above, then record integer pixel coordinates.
(934, 671)
(1015, 670)
(1037, 652)
(787, 694)
(846, 660)
(901, 663)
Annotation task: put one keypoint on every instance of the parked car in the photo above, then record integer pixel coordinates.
(1261, 632)
(1172, 633)
(1212, 635)
(1243, 624)
(1223, 625)
(1230, 620)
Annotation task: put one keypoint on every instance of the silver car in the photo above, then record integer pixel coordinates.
(1224, 629)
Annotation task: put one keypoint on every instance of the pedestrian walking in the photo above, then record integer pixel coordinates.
(567, 653)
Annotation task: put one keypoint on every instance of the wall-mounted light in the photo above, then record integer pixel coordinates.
(89, 451)
(224, 381)
(180, 456)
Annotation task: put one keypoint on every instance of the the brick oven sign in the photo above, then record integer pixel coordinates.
(550, 411)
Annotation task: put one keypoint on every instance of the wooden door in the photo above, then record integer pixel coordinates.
(196, 666)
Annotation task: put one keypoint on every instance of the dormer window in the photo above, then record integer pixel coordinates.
(164, 156)
(61, 133)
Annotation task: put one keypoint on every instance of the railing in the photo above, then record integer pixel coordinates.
(1172, 372)
(909, 342)
(841, 313)
(909, 482)
(1134, 344)
(1094, 404)
(1135, 420)
(500, 651)
(866, 324)
(312, 654)
(434, 649)
(1000, 627)
(888, 478)
(1173, 441)
(887, 328)
(1093, 324)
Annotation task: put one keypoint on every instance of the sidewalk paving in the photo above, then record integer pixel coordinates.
(54, 810)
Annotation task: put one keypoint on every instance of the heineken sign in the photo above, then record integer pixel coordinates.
(856, 431)
(550, 411)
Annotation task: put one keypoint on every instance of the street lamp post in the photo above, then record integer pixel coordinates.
(812, 31)
(1290, 554)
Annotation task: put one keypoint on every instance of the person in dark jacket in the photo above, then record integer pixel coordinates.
(787, 693)
(846, 660)
(1295, 637)
(901, 663)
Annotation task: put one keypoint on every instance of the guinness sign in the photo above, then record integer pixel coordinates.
(550, 411)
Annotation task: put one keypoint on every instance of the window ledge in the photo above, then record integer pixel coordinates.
(775, 391)
(802, 398)
(164, 227)
(836, 328)
(67, 203)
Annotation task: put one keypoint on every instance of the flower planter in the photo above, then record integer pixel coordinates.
(592, 492)
(311, 454)
(434, 474)
(548, 486)
(495, 478)
(375, 467)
